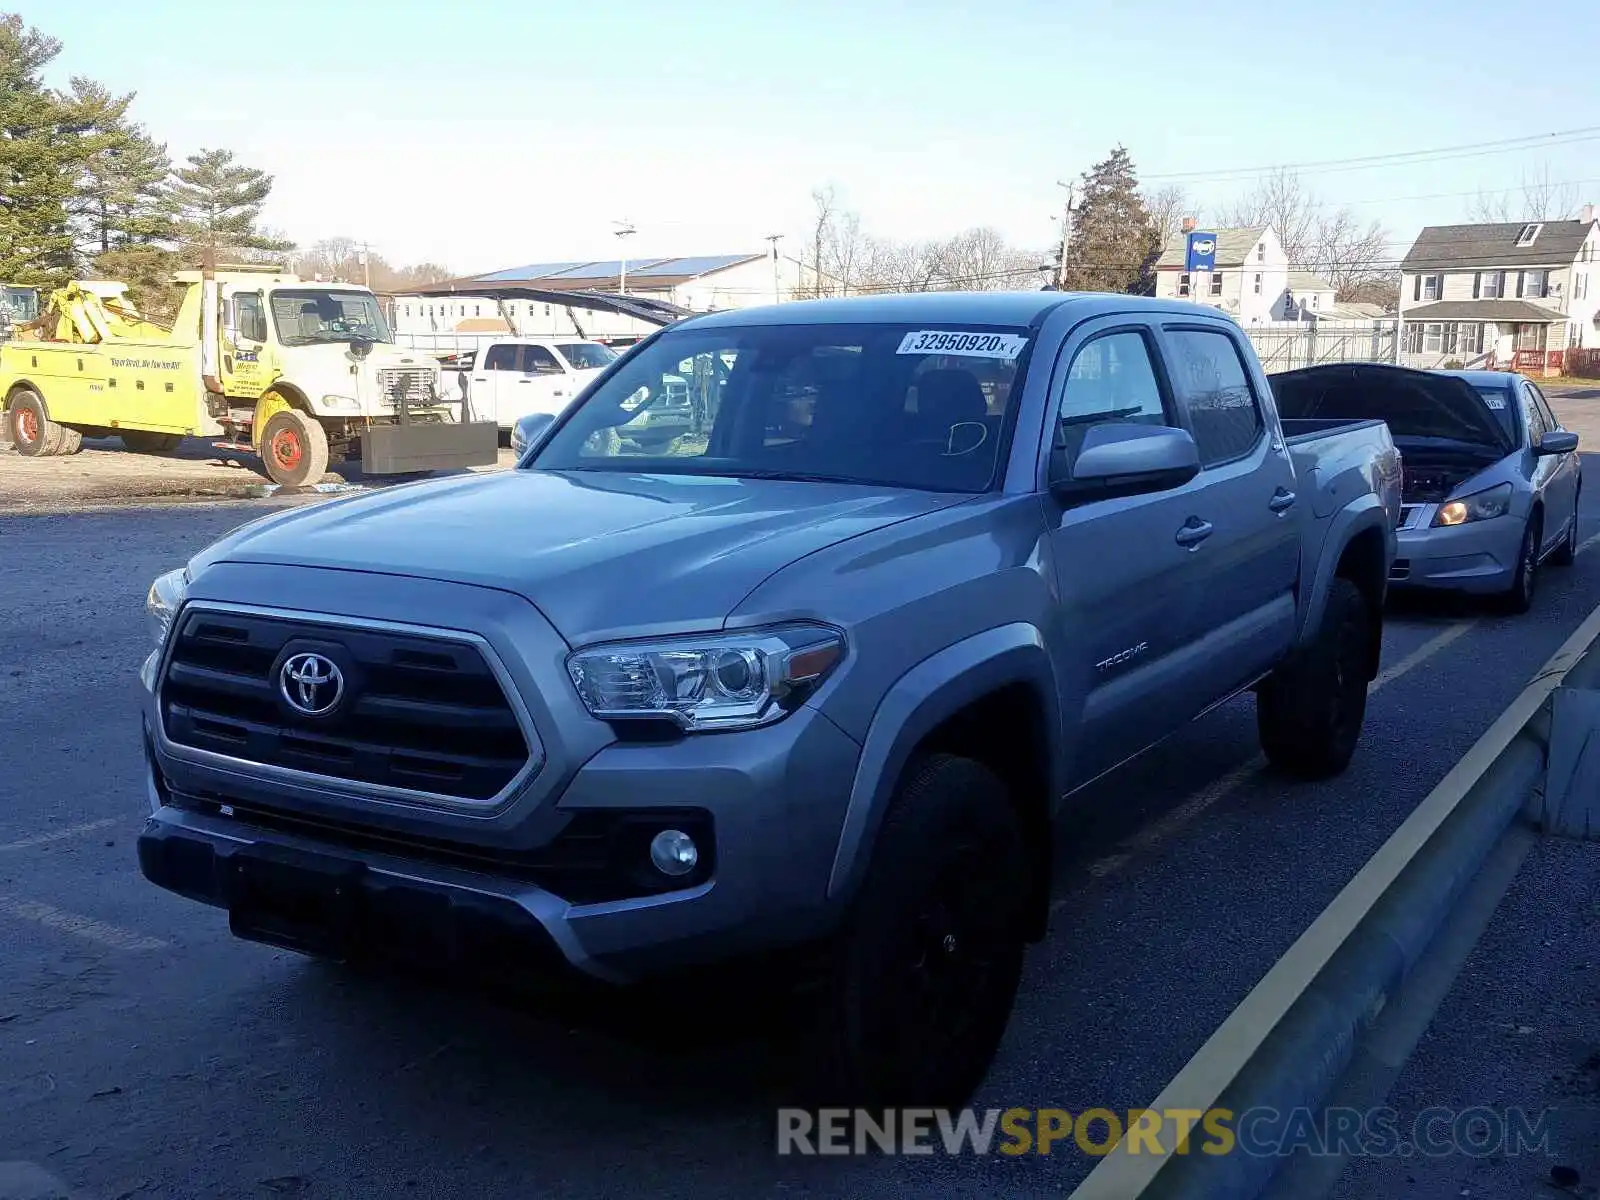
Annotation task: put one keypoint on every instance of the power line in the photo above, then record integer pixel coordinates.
(1398, 158)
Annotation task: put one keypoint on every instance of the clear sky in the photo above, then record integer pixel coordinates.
(485, 135)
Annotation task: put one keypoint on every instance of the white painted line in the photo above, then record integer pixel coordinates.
(60, 835)
(1205, 1078)
(90, 930)
(1222, 787)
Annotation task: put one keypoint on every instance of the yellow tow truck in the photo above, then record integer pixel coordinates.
(301, 373)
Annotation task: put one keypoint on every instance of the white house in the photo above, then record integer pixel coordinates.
(1250, 281)
(698, 284)
(1516, 296)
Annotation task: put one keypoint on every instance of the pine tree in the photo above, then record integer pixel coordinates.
(121, 197)
(1115, 242)
(218, 203)
(40, 153)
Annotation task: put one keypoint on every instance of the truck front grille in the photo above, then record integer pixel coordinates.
(425, 715)
(414, 384)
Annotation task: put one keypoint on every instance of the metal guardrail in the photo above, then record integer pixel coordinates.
(1291, 1041)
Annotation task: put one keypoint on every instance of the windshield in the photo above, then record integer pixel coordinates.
(22, 304)
(1499, 402)
(310, 317)
(891, 405)
(585, 356)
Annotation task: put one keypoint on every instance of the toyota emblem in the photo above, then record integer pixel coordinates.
(311, 683)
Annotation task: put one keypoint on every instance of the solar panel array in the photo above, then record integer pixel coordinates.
(609, 269)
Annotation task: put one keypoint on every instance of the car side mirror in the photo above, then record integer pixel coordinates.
(528, 429)
(1557, 441)
(1124, 459)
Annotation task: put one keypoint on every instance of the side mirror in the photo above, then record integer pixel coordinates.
(1557, 441)
(527, 430)
(1129, 460)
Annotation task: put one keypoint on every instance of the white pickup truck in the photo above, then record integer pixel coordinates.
(507, 379)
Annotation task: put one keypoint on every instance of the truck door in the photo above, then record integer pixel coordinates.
(494, 378)
(1247, 568)
(245, 358)
(1124, 572)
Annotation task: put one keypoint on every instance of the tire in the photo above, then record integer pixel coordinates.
(1567, 553)
(143, 441)
(1309, 712)
(70, 441)
(920, 984)
(35, 434)
(1518, 598)
(294, 449)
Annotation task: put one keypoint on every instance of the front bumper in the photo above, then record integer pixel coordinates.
(1478, 557)
(523, 879)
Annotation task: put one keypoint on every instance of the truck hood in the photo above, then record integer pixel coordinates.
(601, 554)
(1416, 405)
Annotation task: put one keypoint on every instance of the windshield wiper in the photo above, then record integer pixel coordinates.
(790, 476)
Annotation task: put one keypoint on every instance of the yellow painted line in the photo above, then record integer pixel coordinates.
(1213, 1068)
(58, 920)
(1223, 786)
(59, 835)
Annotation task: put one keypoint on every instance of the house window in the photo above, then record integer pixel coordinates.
(477, 310)
(1315, 300)
(1580, 285)
(1491, 284)
(1529, 232)
(1530, 337)
(1535, 284)
(1413, 337)
(1433, 337)
(1183, 284)
(1432, 285)
(1261, 252)
(1471, 338)
(1216, 283)
(1258, 285)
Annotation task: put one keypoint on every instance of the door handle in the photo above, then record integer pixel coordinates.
(1281, 500)
(1194, 532)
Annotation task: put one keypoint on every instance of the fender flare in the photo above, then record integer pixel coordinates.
(917, 703)
(1344, 526)
(272, 402)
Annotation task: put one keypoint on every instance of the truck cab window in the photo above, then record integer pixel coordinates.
(501, 357)
(539, 361)
(1111, 379)
(249, 318)
(1223, 411)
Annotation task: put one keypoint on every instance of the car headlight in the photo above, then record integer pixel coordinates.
(713, 681)
(162, 601)
(1480, 506)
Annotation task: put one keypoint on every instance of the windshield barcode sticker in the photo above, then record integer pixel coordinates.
(968, 345)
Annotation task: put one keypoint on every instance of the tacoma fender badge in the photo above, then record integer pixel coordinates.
(1122, 656)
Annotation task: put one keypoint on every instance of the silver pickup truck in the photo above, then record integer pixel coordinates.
(806, 689)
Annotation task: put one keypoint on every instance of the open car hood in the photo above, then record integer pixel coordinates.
(1414, 404)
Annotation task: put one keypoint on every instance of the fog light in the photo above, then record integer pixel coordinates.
(673, 852)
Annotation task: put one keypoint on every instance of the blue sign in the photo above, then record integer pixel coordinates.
(1200, 254)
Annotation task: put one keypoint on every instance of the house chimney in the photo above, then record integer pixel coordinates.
(1189, 224)
(1587, 214)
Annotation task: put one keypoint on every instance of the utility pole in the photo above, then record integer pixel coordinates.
(624, 229)
(366, 265)
(1066, 233)
(777, 291)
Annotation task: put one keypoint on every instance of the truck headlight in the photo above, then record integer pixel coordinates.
(341, 402)
(162, 601)
(707, 682)
(1480, 506)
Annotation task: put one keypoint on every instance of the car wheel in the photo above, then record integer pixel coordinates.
(1309, 712)
(35, 434)
(294, 449)
(921, 983)
(1518, 598)
(1567, 553)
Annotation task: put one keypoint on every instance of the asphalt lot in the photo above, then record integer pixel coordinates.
(144, 1052)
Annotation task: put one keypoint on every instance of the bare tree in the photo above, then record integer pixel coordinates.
(1349, 255)
(1168, 207)
(1282, 201)
(1538, 199)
